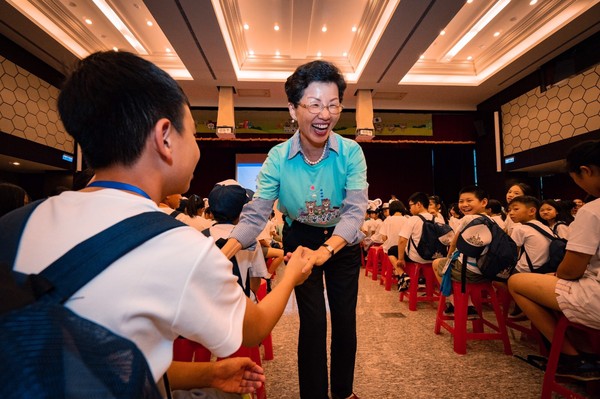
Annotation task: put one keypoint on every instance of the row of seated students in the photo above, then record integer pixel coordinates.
(573, 289)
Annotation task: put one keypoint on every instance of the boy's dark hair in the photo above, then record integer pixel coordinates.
(397, 206)
(315, 71)
(477, 191)
(495, 206)
(586, 153)
(110, 103)
(419, 197)
(526, 200)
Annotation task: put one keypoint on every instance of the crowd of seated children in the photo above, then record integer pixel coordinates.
(410, 236)
(554, 215)
(472, 202)
(169, 205)
(390, 230)
(574, 290)
(495, 210)
(178, 283)
(371, 225)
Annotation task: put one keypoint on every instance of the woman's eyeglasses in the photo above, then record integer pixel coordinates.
(317, 108)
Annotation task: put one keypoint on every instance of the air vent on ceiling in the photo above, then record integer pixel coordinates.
(389, 95)
(254, 93)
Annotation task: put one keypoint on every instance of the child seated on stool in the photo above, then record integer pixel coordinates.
(472, 202)
(575, 289)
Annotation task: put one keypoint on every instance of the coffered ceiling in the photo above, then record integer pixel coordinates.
(412, 54)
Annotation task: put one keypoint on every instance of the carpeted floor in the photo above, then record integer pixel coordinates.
(399, 356)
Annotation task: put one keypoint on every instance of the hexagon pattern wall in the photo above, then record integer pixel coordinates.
(566, 110)
(28, 108)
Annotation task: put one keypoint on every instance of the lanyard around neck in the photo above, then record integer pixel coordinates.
(119, 186)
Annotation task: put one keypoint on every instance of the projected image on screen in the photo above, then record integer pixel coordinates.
(247, 168)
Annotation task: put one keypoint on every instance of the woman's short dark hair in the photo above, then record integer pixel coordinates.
(586, 153)
(11, 197)
(315, 71)
(110, 103)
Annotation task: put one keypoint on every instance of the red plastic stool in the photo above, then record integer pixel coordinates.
(516, 323)
(387, 271)
(415, 270)
(480, 293)
(373, 261)
(185, 350)
(550, 385)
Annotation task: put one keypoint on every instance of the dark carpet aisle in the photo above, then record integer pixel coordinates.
(399, 356)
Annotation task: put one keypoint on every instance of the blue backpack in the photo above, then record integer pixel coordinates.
(430, 247)
(501, 257)
(556, 252)
(46, 350)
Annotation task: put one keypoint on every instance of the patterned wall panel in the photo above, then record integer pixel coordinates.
(28, 108)
(563, 111)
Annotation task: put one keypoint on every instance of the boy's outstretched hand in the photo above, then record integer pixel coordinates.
(300, 264)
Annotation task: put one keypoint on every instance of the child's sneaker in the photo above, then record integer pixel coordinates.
(472, 313)
(449, 309)
(581, 371)
(403, 282)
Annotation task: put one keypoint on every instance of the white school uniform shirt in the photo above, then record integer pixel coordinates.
(178, 283)
(584, 236)
(413, 229)
(391, 229)
(499, 221)
(536, 245)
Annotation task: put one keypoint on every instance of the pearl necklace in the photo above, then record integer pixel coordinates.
(313, 163)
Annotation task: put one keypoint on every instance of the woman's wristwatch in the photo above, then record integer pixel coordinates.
(329, 248)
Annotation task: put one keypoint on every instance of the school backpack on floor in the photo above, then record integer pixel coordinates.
(556, 252)
(46, 350)
(501, 257)
(430, 247)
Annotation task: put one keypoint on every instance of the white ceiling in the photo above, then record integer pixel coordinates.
(208, 46)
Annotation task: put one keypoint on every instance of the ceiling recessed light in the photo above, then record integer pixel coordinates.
(15, 163)
(470, 58)
(277, 53)
(532, 2)
(88, 21)
(345, 54)
(354, 29)
(496, 34)
(469, 1)
(246, 26)
(276, 27)
(251, 52)
(422, 57)
(442, 33)
(324, 28)
(168, 50)
(115, 49)
(319, 54)
(149, 23)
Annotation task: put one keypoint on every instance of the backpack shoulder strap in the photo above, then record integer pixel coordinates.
(555, 227)
(174, 214)
(541, 231)
(89, 258)
(12, 226)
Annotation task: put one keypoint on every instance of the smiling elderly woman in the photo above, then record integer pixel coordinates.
(320, 179)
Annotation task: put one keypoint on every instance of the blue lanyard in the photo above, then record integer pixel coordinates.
(119, 186)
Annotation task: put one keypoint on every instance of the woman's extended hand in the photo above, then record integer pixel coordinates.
(300, 264)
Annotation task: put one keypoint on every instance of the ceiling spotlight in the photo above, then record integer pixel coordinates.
(496, 34)
(149, 23)
(422, 57)
(324, 28)
(469, 58)
(88, 21)
(15, 163)
(442, 33)
(469, 1)
(246, 26)
(251, 53)
(168, 50)
(277, 53)
(354, 29)
(532, 2)
(115, 49)
(319, 54)
(345, 54)
(276, 27)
